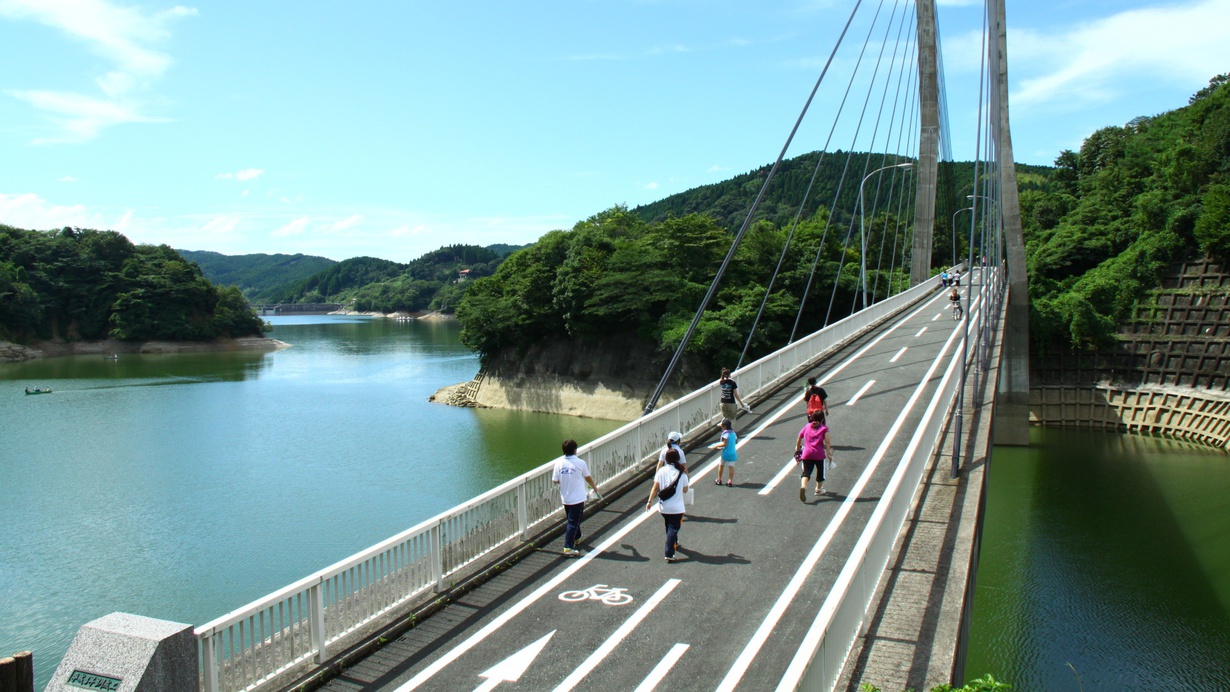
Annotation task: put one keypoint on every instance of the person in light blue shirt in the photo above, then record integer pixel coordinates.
(730, 453)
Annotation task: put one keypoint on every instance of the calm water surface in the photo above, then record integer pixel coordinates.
(183, 486)
(1105, 566)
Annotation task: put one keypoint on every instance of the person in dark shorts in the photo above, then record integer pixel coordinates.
(811, 450)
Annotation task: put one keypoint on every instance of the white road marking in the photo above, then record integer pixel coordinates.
(512, 668)
(811, 641)
(920, 332)
(744, 661)
(768, 488)
(588, 665)
(894, 358)
(854, 399)
(937, 316)
(664, 666)
(515, 610)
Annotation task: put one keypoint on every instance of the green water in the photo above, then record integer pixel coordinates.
(183, 486)
(1105, 565)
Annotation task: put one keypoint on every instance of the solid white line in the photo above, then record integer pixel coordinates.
(768, 488)
(588, 665)
(920, 332)
(894, 358)
(744, 661)
(854, 399)
(664, 666)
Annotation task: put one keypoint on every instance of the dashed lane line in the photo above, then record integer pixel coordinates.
(854, 399)
(664, 666)
(899, 354)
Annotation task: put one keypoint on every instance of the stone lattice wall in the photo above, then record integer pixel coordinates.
(1187, 414)
(1179, 337)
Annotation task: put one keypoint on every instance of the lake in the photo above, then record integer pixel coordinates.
(183, 486)
(1105, 565)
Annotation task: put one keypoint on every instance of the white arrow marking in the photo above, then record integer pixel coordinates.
(512, 668)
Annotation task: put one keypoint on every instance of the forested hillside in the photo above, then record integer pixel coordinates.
(1133, 199)
(82, 284)
(433, 281)
(256, 275)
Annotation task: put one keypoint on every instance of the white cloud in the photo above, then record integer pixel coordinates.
(242, 175)
(1104, 59)
(295, 227)
(67, 179)
(652, 186)
(122, 35)
(30, 211)
(346, 223)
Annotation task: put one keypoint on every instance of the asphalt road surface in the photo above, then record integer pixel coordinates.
(757, 563)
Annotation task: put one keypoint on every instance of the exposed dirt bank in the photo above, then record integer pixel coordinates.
(11, 352)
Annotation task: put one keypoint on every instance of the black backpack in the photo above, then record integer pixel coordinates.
(667, 493)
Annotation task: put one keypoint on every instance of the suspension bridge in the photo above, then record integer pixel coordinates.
(778, 588)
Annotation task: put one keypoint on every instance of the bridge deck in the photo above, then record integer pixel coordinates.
(757, 562)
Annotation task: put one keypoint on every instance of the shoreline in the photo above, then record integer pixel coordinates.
(17, 353)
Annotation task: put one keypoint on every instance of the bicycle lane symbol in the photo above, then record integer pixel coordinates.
(612, 596)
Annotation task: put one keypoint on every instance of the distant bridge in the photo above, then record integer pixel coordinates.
(297, 308)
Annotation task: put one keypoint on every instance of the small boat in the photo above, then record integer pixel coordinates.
(38, 390)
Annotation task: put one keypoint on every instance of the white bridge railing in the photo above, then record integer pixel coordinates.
(281, 635)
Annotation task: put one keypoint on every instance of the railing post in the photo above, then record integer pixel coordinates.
(316, 600)
(437, 558)
(523, 513)
(209, 662)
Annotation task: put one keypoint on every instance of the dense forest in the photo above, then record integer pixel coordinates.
(1119, 211)
(86, 284)
(368, 284)
(256, 275)
(645, 270)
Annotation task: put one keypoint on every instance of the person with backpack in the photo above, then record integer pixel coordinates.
(669, 486)
(811, 450)
(815, 397)
(730, 453)
(571, 474)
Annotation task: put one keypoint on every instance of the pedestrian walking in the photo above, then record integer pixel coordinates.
(730, 452)
(672, 442)
(815, 397)
(956, 277)
(811, 450)
(571, 474)
(669, 486)
(730, 395)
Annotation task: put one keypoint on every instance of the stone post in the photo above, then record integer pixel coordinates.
(129, 653)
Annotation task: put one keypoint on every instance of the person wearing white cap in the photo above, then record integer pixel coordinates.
(672, 442)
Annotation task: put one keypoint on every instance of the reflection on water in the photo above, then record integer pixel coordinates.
(1105, 565)
(183, 486)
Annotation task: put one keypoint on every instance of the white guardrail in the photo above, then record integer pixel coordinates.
(822, 655)
(286, 632)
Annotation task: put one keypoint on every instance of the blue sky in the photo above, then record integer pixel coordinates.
(391, 128)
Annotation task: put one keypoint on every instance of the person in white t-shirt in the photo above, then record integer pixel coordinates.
(571, 474)
(671, 474)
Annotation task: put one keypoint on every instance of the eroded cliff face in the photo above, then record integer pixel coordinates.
(608, 378)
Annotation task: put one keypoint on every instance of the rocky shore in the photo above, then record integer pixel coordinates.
(13, 353)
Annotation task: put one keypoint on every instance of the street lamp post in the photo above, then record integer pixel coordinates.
(862, 221)
(954, 234)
